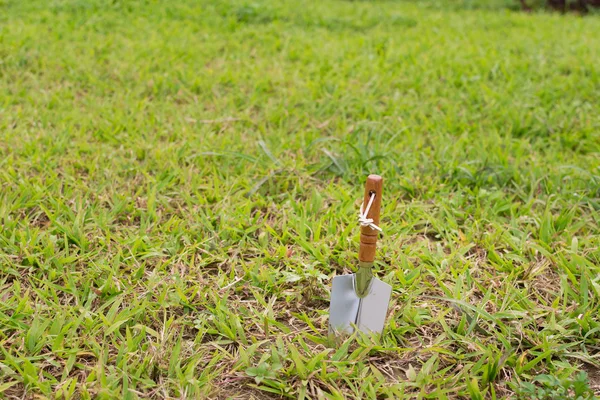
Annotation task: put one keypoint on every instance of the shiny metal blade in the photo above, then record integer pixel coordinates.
(347, 309)
(373, 308)
(344, 305)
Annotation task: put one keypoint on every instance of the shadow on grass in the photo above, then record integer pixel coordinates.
(583, 7)
(459, 4)
(256, 14)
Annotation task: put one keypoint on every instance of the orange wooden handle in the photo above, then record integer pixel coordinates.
(368, 236)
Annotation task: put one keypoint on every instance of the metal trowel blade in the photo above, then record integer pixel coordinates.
(348, 310)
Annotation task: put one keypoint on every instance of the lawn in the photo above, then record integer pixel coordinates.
(180, 181)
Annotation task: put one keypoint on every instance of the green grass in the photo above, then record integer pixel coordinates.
(179, 182)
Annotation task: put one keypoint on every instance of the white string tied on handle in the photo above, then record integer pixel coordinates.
(362, 215)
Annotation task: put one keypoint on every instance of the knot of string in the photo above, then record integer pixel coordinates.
(362, 215)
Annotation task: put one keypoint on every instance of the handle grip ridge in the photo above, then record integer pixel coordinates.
(368, 235)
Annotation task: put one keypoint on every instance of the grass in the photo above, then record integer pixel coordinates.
(179, 182)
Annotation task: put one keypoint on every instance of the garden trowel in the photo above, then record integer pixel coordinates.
(361, 300)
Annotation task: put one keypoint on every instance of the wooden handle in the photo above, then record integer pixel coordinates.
(368, 236)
